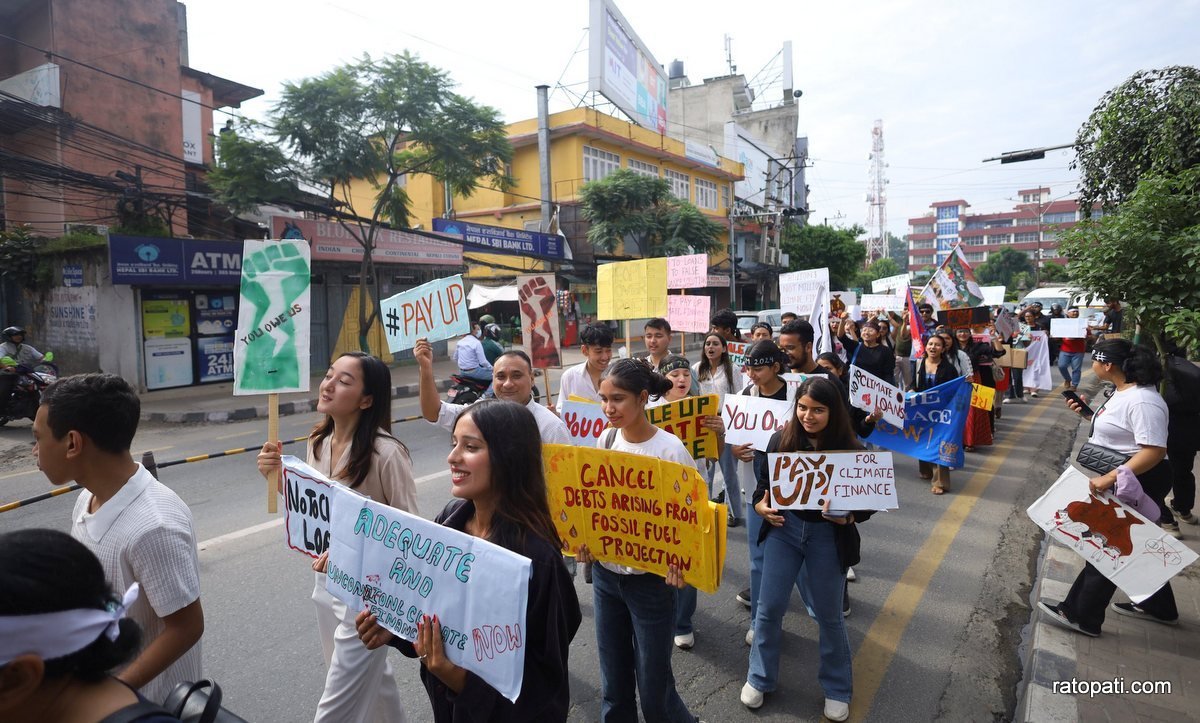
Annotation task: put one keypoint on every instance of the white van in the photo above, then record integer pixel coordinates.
(1068, 297)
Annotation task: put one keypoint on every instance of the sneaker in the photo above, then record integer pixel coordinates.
(1172, 529)
(750, 636)
(685, 641)
(735, 522)
(1059, 618)
(846, 606)
(1130, 610)
(1033, 394)
(1187, 517)
(836, 710)
(744, 597)
(752, 697)
(850, 574)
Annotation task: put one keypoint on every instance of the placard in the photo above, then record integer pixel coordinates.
(636, 511)
(843, 302)
(983, 397)
(435, 311)
(689, 313)
(993, 295)
(890, 284)
(632, 289)
(752, 420)
(307, 505)
(885, 302)
(965, 317)
(1069, 328)
(737, 361)
(585, 421)
(798, 290)
(846, 480)
(793, 380)
(868, 393)
(683, 419)
(539, 320)
(271, 345)
(687, 272)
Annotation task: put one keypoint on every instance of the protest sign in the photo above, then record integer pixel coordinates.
(637, 511)
(682, 419)
(1069, 328)
(993, 295)
(1006, 324)
(868, 393)
(799, 289)
(737, 359)
(400, 567)
(842, 301)
(307, 497)
(793, 380)
(885, 302)
(752, 420)
(847, 480)
(687, 272)
(689, 313)
(983, 397)
(1037, 372)
(271, 345)
(631, 289)
(933, 425)
(436, 310)
(890, 285)
(964, 317)
(539, 320)
(585, 420)
(1137, 555)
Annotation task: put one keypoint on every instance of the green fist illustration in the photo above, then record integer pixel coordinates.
(273, 280)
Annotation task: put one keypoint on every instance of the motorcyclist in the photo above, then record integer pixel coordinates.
(491, 342)
(15, 352)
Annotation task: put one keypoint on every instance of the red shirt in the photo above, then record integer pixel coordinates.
(1073, 345)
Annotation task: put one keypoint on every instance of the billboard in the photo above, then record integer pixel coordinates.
(742, 147)
(621, 68)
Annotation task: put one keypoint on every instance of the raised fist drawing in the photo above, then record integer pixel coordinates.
(537, 303)
(274, 279)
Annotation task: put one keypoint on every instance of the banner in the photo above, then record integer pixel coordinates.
(683, 419)
(539, 320)
(890, 284)
(753, 419)
(1134, 553)
(933, 425)
(818, 316)
(847, 480)
(308, 499)
(584, 420)
(882, 302)
(953, 285)
(687, 272)
(983, 397)
(1069, 328)
(798, 289)
(1037, 373)
(637, 511)
(270, 352)
(631, 289)
(689, 313)
(436, 310)
(968, 317)
(868, 393)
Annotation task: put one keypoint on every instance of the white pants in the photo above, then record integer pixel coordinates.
(359, 687)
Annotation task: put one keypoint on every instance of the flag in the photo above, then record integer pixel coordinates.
(933, 425)
(953, 285)
(916, 327)
(819, 318)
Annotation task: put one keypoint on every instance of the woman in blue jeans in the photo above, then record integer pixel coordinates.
(811, 548)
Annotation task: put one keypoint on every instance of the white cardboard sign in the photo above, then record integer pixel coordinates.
(1069, 328)
(887, 302)
(753, 419)
(585, 421)
(868, 392)
(847, 480)
(307, 498)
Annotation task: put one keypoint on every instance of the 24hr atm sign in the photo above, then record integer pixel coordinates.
(500, 240)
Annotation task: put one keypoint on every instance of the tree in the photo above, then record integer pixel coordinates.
(898, 252)
(1003, 267)
(640, 210)
(372, 120)
(882, 268)
(1054, 273)
(1148, 124)
(812, 246)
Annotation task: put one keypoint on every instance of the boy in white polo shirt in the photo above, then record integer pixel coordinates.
(141, 531)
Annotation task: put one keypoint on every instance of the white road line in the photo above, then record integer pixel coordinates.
(239, 534)
(239, 434)
(431, 477)
(18, 474)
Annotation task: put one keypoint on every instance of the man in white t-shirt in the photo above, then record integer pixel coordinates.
(139, 529)
(583, 380)
(657, 335)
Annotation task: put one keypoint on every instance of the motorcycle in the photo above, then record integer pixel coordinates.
(464, 390)
(27, 392)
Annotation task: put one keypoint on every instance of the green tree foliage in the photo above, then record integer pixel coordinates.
(374, 120)
(641, 212)
(897, 252)
(1053, 273)
(1148, 124)
(1003, 267)
(18, 256)
(1147, 254)
(811, 247)
(882, 268)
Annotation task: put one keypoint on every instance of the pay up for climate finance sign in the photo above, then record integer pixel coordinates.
(400, 567)
(847, 480)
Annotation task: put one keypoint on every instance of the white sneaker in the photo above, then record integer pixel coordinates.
(750, 636)
(752, 697)
(850, 574)
(685, 642)
(835, 710)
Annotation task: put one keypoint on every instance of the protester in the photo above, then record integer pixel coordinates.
(796, 341)
(1114, 319)
(981, 423)
(500, 496)
(677, 370)
(635, 611)
(812, 548)
(956, 355)
(583, 380)
(1070, 356)
(1133, 421)
(60, 643)
(658, 341)
(1020, 340)
(715, 375)
(725, 323)
(470, 356)
(786, 317)
(353, 445)
(138, 527)
(761, 330)
(869, 353)
(1182, 395)
(934, 369)
(902, 342)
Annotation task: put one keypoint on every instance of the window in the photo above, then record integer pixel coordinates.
(1025, 237)
(598, 164)
(998, 238)
(724, 195)
(1049, 236)
(644, 169)
(680, 184)
(923, 228)
(947, 212)
(949, 228)
(923, 244)
(1065, 217)
(977, 256)
(1001, 223)
(975, 224)
(706, 194)
(975, 241)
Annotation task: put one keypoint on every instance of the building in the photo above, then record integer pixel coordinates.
(1032, 227)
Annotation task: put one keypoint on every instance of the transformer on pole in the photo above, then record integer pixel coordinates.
(876, 243)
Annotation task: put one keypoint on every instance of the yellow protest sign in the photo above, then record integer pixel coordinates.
(982, 397)
(637, 511)
(682, 419)
(632, 289)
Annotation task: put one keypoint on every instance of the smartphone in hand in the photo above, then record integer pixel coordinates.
(1084, 409)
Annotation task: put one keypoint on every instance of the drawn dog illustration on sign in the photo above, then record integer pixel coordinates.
(1099, 528)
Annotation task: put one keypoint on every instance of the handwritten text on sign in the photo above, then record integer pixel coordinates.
(689, 313)
(798, 290)
(847, 480)
(687, 272)
(868, 393)
(683, 419)
(636, 511)
(752, 420)
(886, 302)
(307, 499)
(585, 421)
(436, 310)
(983, 397)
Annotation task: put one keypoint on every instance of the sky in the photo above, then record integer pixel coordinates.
(953, 82)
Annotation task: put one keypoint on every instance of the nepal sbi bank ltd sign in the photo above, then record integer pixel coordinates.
(142, 261)
(500, 240)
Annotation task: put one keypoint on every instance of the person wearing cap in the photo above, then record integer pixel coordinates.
(15, 352)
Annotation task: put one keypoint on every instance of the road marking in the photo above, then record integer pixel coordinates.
(239, 434)
(883, 638)
(18, 474)
(239, 534)
(431, 477)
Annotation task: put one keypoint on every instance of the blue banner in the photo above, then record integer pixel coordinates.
(500, 240)
(933, 425)
(144, 261)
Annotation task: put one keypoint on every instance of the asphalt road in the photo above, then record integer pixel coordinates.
(941, 597)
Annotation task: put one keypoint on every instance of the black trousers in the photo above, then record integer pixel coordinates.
(1183, 438)
(1091, 592)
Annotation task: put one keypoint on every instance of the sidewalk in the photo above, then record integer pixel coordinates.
(1129, 649)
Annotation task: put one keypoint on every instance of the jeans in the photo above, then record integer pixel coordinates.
(1070, 364)
(685, 607)
(729, 473)
(634, 618)
(478, 374)
(802, 551)
(754, 525)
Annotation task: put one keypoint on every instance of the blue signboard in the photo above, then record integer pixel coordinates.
(144, 261)
(214, 357)
(72, 275)
(500, 240)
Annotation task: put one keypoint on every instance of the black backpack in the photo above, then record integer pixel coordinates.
(1182, 390)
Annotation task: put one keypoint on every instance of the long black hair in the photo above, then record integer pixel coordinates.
(1138, 363)
(838, 432)
(636, 377)
(706, 370)
(45, 571)
(373, 421)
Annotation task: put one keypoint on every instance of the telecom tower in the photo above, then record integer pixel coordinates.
(876, 243)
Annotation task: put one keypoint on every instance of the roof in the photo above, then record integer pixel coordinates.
(225, 92)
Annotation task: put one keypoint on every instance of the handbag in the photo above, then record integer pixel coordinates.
(191, 703)
(1100, 459)
(133, 713)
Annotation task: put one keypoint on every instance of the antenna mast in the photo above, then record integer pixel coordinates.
(877, 245)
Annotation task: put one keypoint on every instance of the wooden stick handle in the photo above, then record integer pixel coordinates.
(273, 436)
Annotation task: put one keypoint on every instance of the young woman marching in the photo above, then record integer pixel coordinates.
(934, 369)
(981, 424)
(867, 351)
(809, 548)
(500, 496)
(714, 373)
(354, 445)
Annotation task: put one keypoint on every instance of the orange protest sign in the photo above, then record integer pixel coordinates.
(982, 397)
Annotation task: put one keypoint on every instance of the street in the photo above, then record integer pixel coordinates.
(937, 611)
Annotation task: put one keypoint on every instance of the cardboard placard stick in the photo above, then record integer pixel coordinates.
(273, 437)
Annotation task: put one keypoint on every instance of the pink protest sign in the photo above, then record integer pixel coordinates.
(688, 313)
(687, 272)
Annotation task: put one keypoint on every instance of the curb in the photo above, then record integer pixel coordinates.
(403, 391)
(1052, 654)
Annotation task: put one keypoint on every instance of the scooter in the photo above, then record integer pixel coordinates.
(27, 392)
(464, 390)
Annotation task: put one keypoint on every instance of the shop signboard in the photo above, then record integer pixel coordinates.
(214, 358)
(330, 241)
(500, 240)
(145, 261)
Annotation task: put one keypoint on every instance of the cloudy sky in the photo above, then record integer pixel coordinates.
(954, 82)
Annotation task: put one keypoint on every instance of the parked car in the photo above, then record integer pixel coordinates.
(747, 319)
(1068, 297)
